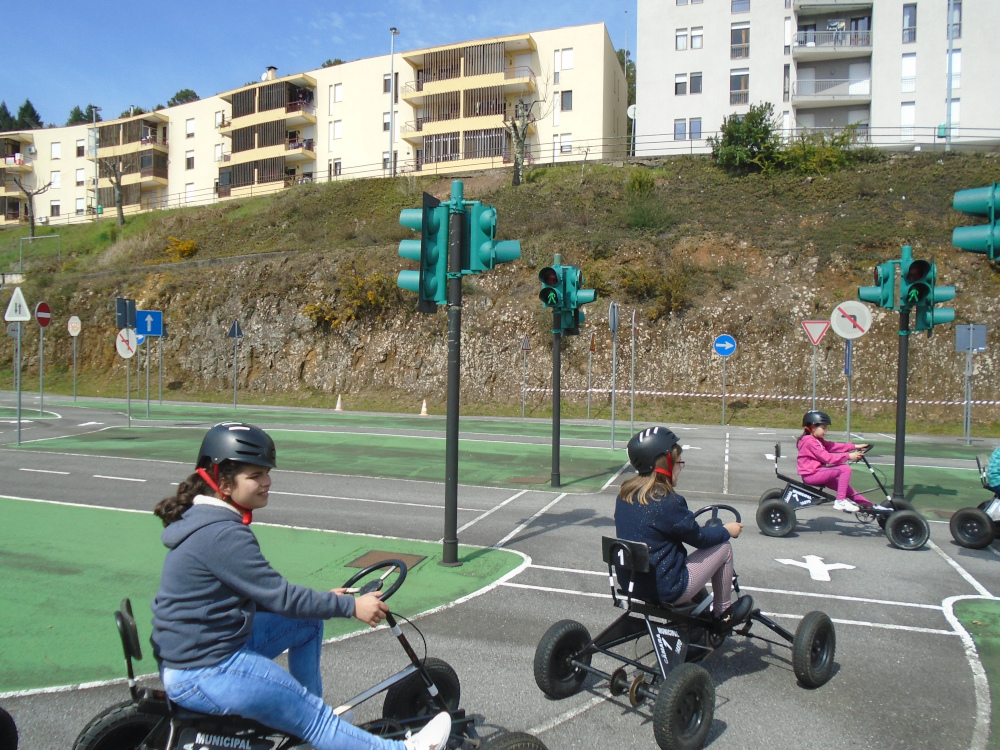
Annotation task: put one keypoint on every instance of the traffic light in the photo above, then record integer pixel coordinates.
(927, 317)
(883, 293)
(984, 238)
(573, 316)
(484, 252)
(916, 280)
(430, 251)
(553, 287)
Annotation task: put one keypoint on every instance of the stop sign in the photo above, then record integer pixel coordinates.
(43, 314)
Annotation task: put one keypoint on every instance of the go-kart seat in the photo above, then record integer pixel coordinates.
(626, 558)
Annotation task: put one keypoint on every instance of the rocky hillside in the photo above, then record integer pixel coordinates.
(310, 273)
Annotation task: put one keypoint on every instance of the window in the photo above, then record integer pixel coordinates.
(739, 86)
(680, 84)
(189, 160)
(694, 128)
(338, 129)
(189, 193)
(739, 41)
(80, 178)
(53, 208)
(956, 111)
(696, 83)
(680, 130)
(386, 83)
(682, 2)
(56, 149)
(218, 152)
(220, 117)
(741, 6)
(697, 33)
(786, 85)
(189, 125)
(861, 31)
(336, 168)
(557, 59)
(56, 179)
(909, 23)
(80, 148)
(566, 143)
(907, 118)
(681, 36)
(567, 59)
(566, 103)
(696, 2)
(81, 206)
(788, 36)
(386, 117)
(385, 160)
(338, 92)
(908, 76)
(956, 68)
(956, 19)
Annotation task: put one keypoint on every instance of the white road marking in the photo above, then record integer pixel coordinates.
(725, 473)
(61, 437)
(518, 530)
(571, 714)
(366, 500)
(983, 591)
(984, 710)
(44, 471)
(767, 433)
(552, 590)
(818, 570)
(89, 424)
(617, 473)
(120, 479)
(491, 510)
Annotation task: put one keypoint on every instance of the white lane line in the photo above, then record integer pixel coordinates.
(983, 591)
(725, 473)
(120, 479)
(63, 437)
(495, 508)
(89, 424)
(367, 500)
(570, 570)
(552, 590)
(617, 473)
(518, 530)
(984, 710)
(44, 471)
(564, 717)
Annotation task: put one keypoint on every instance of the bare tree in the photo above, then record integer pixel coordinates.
(112, 169)
(24, 188)
(518, 120)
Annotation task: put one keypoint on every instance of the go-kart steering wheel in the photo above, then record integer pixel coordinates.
(715, 520)
(376, 585)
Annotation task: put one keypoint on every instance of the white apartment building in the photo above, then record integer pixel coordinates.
(446, 116)
(882, 64)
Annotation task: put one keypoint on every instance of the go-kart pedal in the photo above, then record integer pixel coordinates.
(735, 616)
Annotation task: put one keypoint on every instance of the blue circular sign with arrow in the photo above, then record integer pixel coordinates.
(724, 345)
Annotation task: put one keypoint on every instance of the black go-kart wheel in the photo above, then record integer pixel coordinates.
(409, 699)
(972, 528)
(513, 741)
(907, 529)
(813, 649)
(774, 494)
(896, 505)
(685, 705)
(555, 675)
(8, 731)
(775, 518)
(121, 727)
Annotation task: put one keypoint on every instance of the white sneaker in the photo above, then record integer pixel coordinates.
(848, 506)
(434, 736)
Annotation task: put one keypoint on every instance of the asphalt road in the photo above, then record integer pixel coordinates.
(903, 677)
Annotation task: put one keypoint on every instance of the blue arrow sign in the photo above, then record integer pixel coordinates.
(149, 322)
(139, 338)
(724, 345)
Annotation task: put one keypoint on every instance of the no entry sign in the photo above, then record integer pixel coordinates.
(43, 314)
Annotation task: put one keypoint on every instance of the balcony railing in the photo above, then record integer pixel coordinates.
(223, 123)
(519, 71)
(147, 172)
(14, 160)
(833, 39)
(739, 97)
(294, 144)
(307, 108)
(832, 87)
(152, 140)
(739, 51)
(908, 85)
(909, 36)
(418, 125)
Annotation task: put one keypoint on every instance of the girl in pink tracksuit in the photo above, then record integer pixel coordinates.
(824, 464)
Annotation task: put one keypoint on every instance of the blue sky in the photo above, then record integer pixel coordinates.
(113, 53)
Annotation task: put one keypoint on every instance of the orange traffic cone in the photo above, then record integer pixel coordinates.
(339, 406)
(423, 409)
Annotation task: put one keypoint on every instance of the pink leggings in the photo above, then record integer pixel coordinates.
(713, 564)
(836, 478)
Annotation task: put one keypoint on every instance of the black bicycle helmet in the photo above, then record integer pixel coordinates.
(815, 417)
(647, 446)
(237, 441)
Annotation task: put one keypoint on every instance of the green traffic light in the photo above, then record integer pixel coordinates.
(982, 202)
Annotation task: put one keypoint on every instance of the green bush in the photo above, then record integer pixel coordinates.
(748, 143)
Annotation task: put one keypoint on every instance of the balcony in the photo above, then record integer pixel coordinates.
(152, 176)
(300, 113)
(824, 92)
(16, 163)
(831, 6)
(739, 97)
(224, 122)
(519, 79)
(153, 140)
(300, 149)
(831, 45)
(739, 51)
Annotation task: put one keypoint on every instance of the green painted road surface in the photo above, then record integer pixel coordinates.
(65, 569)
(981, 618)
(492, 463)
(935, 492)
(27, 413)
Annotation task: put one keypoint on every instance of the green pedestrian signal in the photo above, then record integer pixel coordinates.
(984, 238)
(430, 251)
(883, 293)
(573, 316)
(553, 288)
(926, 315)
(916, 280)
(483, 251)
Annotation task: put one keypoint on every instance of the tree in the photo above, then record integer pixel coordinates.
(132, 111)
(21, 181)
(77, 116)
(748, 143)
(28, 117)
(111, 168)
(182, 97)
(7, 121)
(330, 63)
(517, 120)
(89, 114)
(629, 70)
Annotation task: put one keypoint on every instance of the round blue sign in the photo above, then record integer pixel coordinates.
(139, 338)
(724, 345)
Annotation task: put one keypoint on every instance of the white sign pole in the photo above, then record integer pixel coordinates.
(524, 382)
(74, 368)
(849, 371)
(41, 371)
(147, 378)
(724, 391)
(815, 347)
(20, 326)
(128, 391)
(236, 351)
(590, 372)
(631, 414)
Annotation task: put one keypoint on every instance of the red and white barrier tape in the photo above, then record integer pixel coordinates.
(775, 397)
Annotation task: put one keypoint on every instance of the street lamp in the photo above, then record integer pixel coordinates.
(97, 175)
(393, 32)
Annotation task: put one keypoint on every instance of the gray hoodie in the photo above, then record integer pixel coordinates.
(214, 579)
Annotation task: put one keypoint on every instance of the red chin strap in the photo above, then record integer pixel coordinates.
(669, 472)
(247, 512)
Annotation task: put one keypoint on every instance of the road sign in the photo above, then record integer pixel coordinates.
(139, 338)
(724, 345)
(17, 309)
(124, 312)
(235, 332)
(851, 319)
(525, 345)
(613, 317)
(970, 338)
(74, 326)
(149, 322)
(816, 329)
(43, 314)
(12, 330)
(126, 343)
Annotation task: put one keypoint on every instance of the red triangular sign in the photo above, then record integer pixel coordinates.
(815, 329)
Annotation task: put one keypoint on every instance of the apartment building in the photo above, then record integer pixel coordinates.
(882, 64)
(437, 110)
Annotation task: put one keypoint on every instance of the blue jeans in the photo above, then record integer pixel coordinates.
(251, 685)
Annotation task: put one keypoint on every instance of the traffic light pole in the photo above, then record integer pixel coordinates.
(556, 387)
(904, 366)
(449, 555)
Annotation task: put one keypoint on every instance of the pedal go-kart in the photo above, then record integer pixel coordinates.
(8, 731)
(681, 690)
(976, 528)
(904, 527)
(151, 721)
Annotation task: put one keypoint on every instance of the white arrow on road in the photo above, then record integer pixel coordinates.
(149, 323)
(818, 570)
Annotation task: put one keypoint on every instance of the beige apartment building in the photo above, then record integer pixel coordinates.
(823, 64)
(438, 110)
